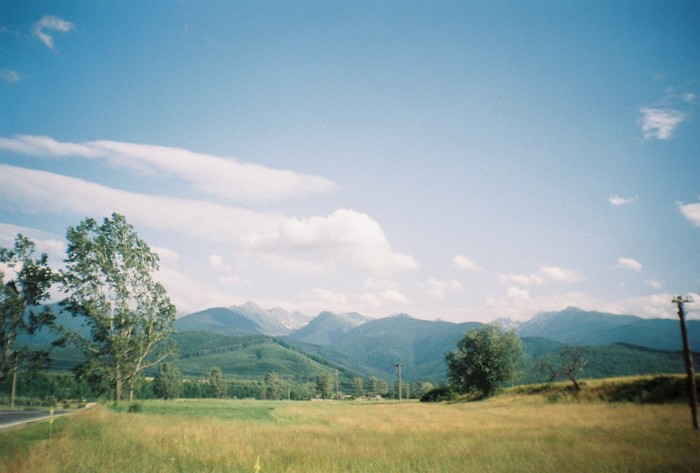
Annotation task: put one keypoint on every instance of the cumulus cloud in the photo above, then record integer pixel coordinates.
(660, 122)
(9, 76)
(439, 289)
(546, 274)
(50, 23)
(462, 262)
(213, 175)
(629, 263)
(557, 274)
(617, 200)
(691, 212)
(345, 237)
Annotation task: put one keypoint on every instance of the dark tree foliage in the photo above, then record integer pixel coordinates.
(20, 300)
(485, 358)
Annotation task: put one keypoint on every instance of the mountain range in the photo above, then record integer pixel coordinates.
(615, 344)
(248, 341)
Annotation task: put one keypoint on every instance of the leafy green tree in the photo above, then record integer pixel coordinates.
(109, 282)
(325, 384)
(167, 384)
(378, 386)
(218, 387)
(273, 386)
(20, 300)
(485, 358)
(358, 386)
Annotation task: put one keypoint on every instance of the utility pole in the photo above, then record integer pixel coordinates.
(337, 385)
(398, 370)
(289, 387)
(687, 355)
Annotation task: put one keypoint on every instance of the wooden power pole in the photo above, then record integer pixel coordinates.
(398, 369)
(688, 356)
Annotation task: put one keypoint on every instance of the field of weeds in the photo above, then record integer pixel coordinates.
(504, 434)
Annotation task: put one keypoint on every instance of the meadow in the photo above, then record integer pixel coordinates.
(512, 432)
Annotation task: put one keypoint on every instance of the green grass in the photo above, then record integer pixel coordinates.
(251, 411)
(513, 432)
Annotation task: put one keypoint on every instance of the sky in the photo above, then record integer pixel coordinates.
(454, 160)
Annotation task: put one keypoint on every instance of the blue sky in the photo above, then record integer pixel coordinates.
(455, 160)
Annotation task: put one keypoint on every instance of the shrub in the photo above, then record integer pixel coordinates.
(439, 394)
(135, 407)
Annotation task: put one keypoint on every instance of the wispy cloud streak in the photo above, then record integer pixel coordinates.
(207, 174)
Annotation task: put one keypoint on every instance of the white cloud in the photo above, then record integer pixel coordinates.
(462, 262)
(546, 274)
(190, 294)
(617, 200)
(9, 76)
(50, 23)
(521, 279)
(166, 255)
(217, 262)
(561, 275)
(660, 123)
(212, 175)
(345, 237)
(45, 193)
(333, 298)
(691, 212)
(517, 294)
(439, 289)
(629, 263)
(654, 284)
(688, 97)
(44, 242)
(381, 284)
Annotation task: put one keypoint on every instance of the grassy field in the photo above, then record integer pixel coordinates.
(510, 433)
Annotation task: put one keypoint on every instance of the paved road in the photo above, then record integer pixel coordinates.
(10, 418)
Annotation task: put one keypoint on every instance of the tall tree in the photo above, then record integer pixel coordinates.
(167, 383)
(273, 386)
(20, 301)
(324, 385)
(109, 282)
(485, 357)
(218, 386)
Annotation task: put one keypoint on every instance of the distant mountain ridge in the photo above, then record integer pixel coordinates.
(328, 328)
(572, 325)
(578, 327)
(247, 319)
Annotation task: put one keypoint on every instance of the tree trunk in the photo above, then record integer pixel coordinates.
(577, 387)
(117, 385)
(14, 389)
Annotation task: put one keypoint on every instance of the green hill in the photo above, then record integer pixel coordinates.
(248, 357)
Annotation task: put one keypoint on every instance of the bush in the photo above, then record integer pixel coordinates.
(657, 390)
(439, 394)
(135, 407)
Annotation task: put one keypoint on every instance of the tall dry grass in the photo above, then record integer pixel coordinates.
(501, 435)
